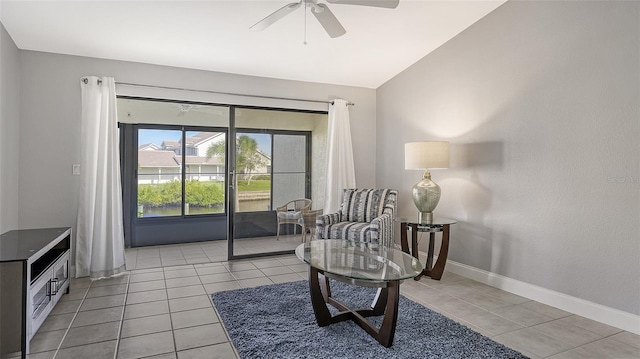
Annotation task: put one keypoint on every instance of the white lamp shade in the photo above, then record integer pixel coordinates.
(424, 155)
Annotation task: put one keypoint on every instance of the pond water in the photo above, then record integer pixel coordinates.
(245, 206)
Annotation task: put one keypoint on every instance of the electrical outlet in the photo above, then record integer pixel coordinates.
(76, 170)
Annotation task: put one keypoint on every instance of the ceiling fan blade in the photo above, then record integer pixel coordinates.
(326, 18)
(275, 16)
(390, 4)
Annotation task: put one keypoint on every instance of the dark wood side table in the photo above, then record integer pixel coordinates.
(434, 226)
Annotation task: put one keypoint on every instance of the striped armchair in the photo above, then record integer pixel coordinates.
(365, 215)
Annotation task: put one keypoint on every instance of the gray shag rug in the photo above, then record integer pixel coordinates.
(277, 321)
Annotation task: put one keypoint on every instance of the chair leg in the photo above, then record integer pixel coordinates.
(278, 233)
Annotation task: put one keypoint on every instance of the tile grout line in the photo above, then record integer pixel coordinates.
(235, 350)
(173, 332)
(75, 314)
(124, 307)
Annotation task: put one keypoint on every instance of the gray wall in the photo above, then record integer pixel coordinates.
(540, 101)
(9, 122)
(9, 130)
(50, 120)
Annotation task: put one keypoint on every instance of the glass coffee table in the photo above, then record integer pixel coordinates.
(362, 264)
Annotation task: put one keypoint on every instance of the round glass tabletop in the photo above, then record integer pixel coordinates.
(436, 221)
(359, 260)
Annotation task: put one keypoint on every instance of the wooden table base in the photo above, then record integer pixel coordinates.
(430, 270)
(385, 302)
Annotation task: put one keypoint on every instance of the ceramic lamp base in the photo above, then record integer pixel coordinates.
(426, 195)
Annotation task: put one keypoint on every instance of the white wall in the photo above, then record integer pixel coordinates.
(9, 130)
(540, 101)
(50, 118)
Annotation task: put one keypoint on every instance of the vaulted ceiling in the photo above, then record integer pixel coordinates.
(214, 35)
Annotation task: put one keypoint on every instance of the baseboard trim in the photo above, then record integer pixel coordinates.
(603, 314)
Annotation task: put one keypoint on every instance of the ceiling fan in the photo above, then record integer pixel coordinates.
(184, 108)
(322, 13)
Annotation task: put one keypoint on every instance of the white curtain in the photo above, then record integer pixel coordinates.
(99, 231)
(340, 169)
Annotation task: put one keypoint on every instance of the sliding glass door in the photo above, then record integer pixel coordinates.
(174, 185)
(195, 172)
(273, 166)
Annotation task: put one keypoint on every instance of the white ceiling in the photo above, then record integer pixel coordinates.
(214, 35)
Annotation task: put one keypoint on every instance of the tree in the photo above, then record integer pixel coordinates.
(248, 157)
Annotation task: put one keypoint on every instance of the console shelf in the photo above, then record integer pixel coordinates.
(34, 273)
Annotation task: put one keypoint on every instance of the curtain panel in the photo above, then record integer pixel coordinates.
(99, 232)
(340, 167)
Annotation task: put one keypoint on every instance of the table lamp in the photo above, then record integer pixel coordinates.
(426, 156)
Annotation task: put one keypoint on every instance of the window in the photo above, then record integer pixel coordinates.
(170, 184)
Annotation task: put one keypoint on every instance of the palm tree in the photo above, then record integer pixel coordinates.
(248, 157)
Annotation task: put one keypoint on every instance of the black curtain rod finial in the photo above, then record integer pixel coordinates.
(86, 81)
(348, 103)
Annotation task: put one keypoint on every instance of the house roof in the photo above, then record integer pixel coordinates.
(201, 137)
(264, 155)
(170, 144)
(170, 159)
(194, 160)
(148, 147)
(157, 159)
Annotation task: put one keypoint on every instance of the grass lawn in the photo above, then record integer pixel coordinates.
(256, 185)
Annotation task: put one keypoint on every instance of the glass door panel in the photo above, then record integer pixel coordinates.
(174, 177)
(289, 168)
(272, 167)
(159, 173)
(204, 172)
(253, 164)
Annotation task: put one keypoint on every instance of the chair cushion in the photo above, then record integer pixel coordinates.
(363, 205)
(354, 231)
(290, 215)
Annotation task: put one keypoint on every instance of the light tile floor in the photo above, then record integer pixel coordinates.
(206, 252)
(165, 312)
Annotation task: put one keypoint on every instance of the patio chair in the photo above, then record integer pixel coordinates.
(291, 213)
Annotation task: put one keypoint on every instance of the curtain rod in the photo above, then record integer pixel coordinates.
(85, 80)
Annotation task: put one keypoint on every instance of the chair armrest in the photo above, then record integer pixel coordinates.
(323, 221)
(382, 230)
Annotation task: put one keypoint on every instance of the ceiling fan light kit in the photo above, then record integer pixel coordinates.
(322, 13)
